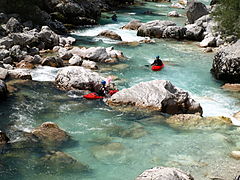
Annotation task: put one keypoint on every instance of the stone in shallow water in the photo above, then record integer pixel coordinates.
(194, 121)
(59, 161)
(164, 173)
(50, 134)
(235, 154)
(156, 95)
(107, 150)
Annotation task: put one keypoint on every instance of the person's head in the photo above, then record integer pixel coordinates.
(157, 57)
(103, 82)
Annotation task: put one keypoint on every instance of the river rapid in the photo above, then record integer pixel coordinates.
(120, 145)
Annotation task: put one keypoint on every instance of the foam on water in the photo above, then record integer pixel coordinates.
(44, 73)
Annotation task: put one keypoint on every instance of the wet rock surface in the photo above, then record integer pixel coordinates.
(164, 173)
(159, 95)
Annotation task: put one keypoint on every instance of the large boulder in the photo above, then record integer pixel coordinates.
(132, 25)
(56, 161)
(208, 41)
(52, 61)
(3, 90)
(28, 38)
(75, 77)
(194, 32)
(226, 63)
(75, 60)
(13, 25)
(159, 95)
(20, 74)
(154, 28)
(110, 34)
(50, 134)
(48, 37)
(175, 32)
(196, 10)
(64, 53)
(164, 173)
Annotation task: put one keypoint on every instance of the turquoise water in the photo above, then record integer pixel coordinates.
(120, 145)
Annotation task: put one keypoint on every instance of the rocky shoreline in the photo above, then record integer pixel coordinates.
(24, 45)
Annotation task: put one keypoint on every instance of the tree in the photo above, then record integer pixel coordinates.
(227, 14)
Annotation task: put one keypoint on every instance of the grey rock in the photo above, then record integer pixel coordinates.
(194, 32)
(37, 59)
(75, 77)
(196, 10)
(8, 60)
(3, 53)
(154, 28)
(28, 38)
(226, 63)
(75, 60)
(3, 32)
(64, 41)
(89, 64)
(177, 5)
(48, 37)
(52, 61)
(133, 25)
(173, 14)
(3, 90)
(157, 95)
(96, 54)
(8, 66)
(20, 74)
(64, 54)
(175, 32)
(208, 41)
(110, 34)
(17, 54)
(33, 51)
(164, 173)
(3, 73)
(13, 25)
(7, 42)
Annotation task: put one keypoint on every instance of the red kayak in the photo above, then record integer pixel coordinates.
(157, 68)
(92, 96)
(95, 96)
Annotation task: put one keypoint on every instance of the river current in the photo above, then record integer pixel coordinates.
(120, 145)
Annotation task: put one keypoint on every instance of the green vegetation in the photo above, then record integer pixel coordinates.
(227, 13)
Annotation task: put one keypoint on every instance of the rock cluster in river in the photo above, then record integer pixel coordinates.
(226, 63)
(157, 95)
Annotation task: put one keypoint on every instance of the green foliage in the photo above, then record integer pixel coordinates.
(227, 13)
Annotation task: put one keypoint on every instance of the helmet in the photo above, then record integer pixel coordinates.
(103, 82)
(157, 57)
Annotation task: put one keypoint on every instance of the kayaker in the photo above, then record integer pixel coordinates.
(102, 89)
(157, 62)
(114, 17)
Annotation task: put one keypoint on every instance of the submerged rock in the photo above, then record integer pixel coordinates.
(231, 87)
(173, 14)
(226, 63)
(74, 77)
(107, 150)
(132, 25)
(159, 95)
(50, 134)
(110, 34)
(164, 173)
(194, 121)
(59, 161)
